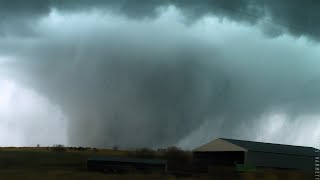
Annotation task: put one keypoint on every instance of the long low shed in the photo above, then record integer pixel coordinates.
(126, 165)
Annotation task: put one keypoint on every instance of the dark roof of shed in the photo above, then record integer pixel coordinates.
(128, 160)
(273, 148)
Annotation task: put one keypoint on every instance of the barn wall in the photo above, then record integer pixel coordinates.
(266, 159)
(219, 158)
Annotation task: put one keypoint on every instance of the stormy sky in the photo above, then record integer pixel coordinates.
(146, 73)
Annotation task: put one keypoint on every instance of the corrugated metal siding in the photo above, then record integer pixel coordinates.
(121, 164)
(265, 159)
(226, 158)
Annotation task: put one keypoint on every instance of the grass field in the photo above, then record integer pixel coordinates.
(43, 163)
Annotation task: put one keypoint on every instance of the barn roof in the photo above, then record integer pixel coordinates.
(273, 148)
(258, 146)
(128, 160)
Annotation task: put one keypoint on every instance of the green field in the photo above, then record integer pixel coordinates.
(40, 163)
(43, 163)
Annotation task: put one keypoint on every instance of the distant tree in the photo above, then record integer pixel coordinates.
(58, 148)
(115, 148)
(178, 159)
(38, 145)
(145, 153)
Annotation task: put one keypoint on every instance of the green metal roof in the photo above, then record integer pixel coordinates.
(273, 148)
(128, 160)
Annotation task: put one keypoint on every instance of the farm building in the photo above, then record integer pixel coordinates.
(126, 165)
(230, 151)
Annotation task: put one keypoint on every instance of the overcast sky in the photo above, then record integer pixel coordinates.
(158, 73)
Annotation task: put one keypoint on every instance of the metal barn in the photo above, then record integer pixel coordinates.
(230, 151)
(126, 165)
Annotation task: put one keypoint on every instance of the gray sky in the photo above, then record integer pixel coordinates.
(145, 73)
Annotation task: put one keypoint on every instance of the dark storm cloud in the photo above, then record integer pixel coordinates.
(293, 16)
(124, 93)
(151, 83)
(157, 83)
(17, 17)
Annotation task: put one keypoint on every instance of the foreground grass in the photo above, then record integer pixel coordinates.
(70, 175)
(42, 163)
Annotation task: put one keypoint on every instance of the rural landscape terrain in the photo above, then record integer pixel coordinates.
(226, 89)
(59, 162)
